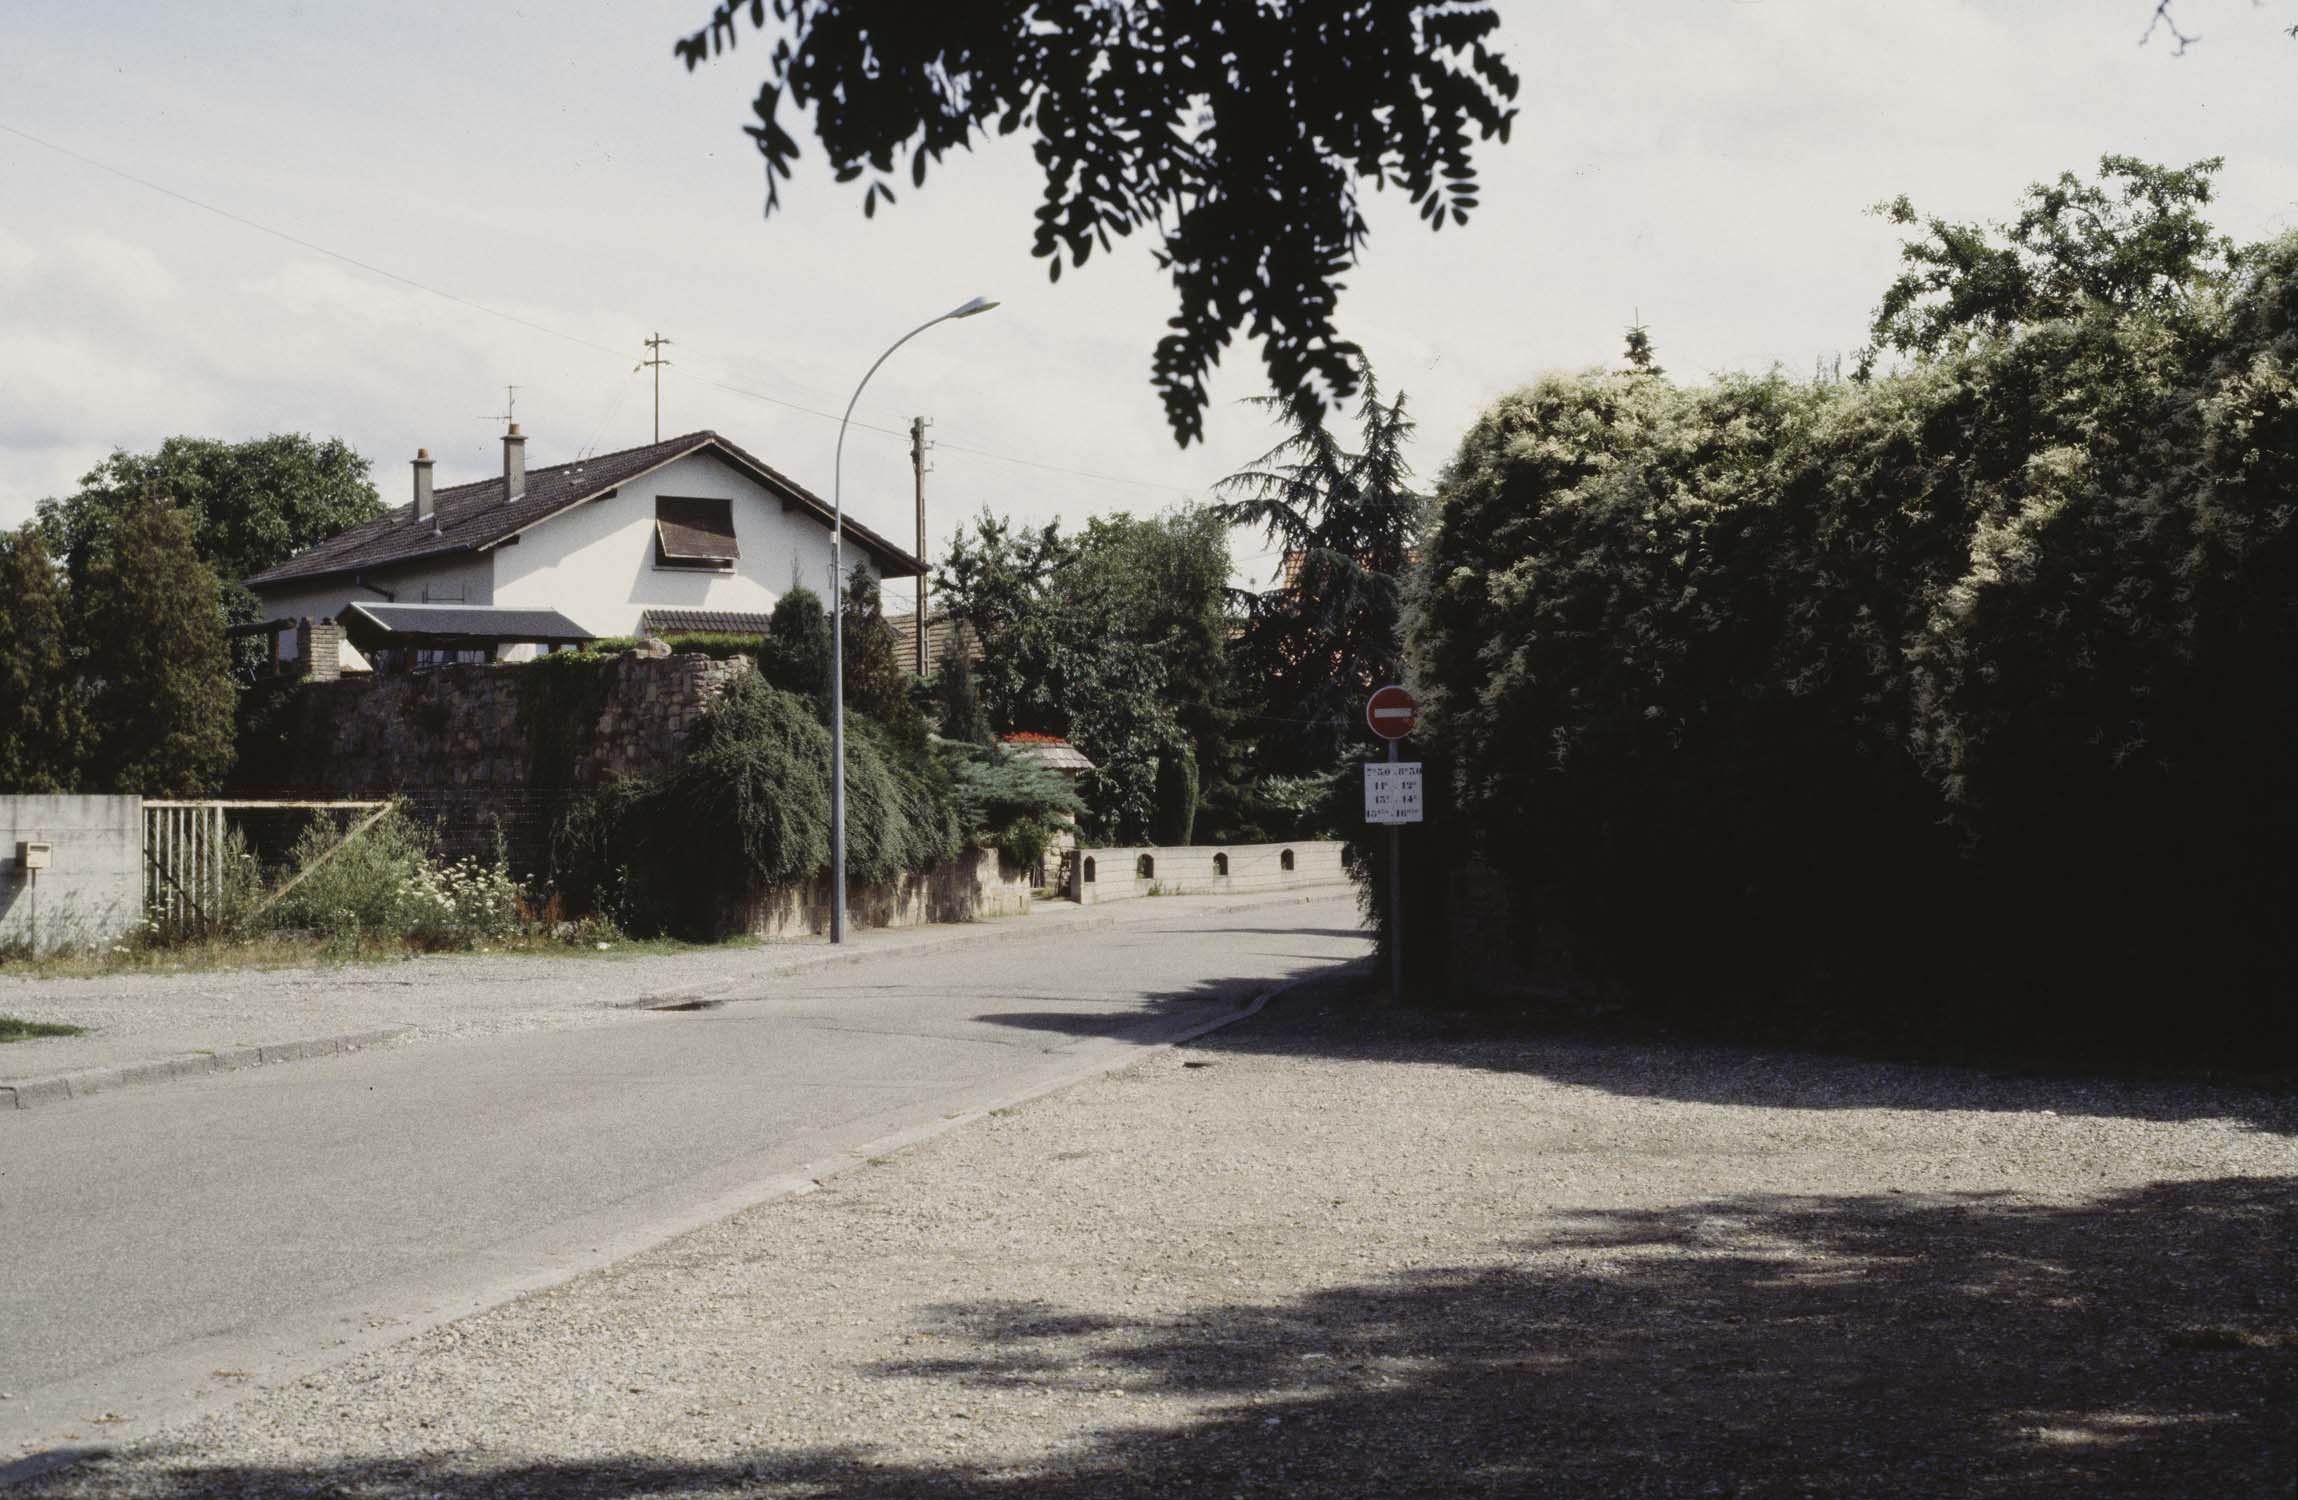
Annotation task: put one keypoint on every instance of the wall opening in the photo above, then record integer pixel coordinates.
(1285, 860)
(1221, 864)
(1089, 869)
(1145, 868)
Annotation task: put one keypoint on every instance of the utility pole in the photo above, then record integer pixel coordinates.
(657, 344)
(918, 446)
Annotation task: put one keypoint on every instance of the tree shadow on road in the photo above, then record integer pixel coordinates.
(2141, 1345)
(1333, 1012)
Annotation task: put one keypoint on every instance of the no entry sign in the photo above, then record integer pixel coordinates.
(1391, 712)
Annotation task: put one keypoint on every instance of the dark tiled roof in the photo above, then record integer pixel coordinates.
(473, 517)
(463, 622)
(680, 621)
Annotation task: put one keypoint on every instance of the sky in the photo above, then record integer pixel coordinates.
(530, 191)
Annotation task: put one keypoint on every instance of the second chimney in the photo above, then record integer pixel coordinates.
(426, 508)
(514, 465)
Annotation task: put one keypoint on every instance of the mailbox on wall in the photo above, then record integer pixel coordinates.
(32, 854)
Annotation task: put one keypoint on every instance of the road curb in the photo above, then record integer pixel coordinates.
(56, 1088)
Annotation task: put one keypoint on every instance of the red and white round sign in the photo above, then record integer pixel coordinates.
(1391, 712)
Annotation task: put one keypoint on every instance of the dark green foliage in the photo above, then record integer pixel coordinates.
(1641, 357)
(1057, 617)
(955, 697)
(155, 670)
(1003, 802)
(795, 656)
(1957, 699)
(1317, 645)
(2135, 239)
(1176, 797)
(1237, 132)
(747, 810)
(43, 723)
(251, 505)
(876, 685)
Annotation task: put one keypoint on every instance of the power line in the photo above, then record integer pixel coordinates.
(545, 329)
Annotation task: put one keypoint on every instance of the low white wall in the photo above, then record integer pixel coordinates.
(1202, 869)
(92, 891)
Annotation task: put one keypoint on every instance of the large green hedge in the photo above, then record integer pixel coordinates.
(1963, 695)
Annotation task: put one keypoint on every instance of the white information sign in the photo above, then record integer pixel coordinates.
(1392, 791)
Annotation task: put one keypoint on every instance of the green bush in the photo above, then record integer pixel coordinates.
(1957, 697)
(1005, 803)
(388, 886)
(747, 810)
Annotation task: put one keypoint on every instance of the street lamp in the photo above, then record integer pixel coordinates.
(838, 626)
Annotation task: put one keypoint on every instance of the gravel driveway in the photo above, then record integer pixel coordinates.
(1333, 1251)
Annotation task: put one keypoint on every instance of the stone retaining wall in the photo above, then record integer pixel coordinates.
(981, 884)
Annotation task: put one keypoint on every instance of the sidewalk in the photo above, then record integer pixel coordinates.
(154, 1028)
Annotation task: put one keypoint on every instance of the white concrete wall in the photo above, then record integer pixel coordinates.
(92, 891)
(1195, 870)
(595, 564)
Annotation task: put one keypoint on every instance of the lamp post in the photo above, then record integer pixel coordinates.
(838, 626)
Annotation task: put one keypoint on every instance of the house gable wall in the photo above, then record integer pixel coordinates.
(596, 564)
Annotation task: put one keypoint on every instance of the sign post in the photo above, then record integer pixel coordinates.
(1392, 796)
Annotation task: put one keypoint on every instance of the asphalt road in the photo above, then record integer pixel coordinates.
(162, 1248)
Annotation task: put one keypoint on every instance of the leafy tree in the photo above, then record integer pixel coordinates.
(251, 505)
(2135, 239)
(1237, 131)
(1164, 582)
(42, 718)
(1347, 520)
(1057, 660)
(155, 669)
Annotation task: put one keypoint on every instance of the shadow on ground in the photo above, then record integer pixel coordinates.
(2141, 1345)
(1334, 1013)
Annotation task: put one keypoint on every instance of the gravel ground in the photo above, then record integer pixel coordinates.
(1332, 1251)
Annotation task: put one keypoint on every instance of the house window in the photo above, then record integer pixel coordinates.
(694, 534)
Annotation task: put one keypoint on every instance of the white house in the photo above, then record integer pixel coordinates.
(690, 533)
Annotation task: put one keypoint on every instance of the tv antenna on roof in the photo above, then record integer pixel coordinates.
(510, 411)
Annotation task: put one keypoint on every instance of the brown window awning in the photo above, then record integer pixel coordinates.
(688, 530)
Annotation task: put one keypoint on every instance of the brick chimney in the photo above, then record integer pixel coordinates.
(319, 649)
(426, 508)
(514, 465)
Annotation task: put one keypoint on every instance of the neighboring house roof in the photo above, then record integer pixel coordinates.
(473, 518)
(1050, 751)
(473, 624)
(685, 621)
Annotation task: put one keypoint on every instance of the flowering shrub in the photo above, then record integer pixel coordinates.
(388, 886)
